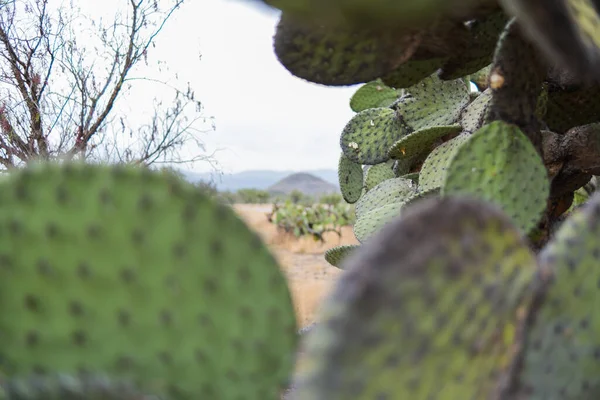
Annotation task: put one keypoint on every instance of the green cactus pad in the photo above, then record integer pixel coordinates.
(376, 174)
(143, 277)
(427, 309)
(561, 351)
(336, 255)
(374, 218)
(412, 176)
(369, 223)
(69, 387)
(568, 109)
(367, 137)
(339, 56)
(499, 164)
(374, 94)
(389, 191)
(480, 50)
(380, 14)
(350, 176)
(474, 115)
(433, 102)
(433, 171)
(516, 82)
(412, 72)
(419, 142)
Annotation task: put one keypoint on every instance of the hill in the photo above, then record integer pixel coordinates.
(306, 183)
(256, 179)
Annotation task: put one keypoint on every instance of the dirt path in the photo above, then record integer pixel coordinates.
(309, 275)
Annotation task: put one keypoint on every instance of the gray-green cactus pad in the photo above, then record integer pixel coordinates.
(70, 387)
(375, 174)
(367, 137)
(336, 255)
(433, 102)
(350, 176)
(339, 56)
(419, 142)
(562, 348)
(499, 164)
(474, 115)
(433, 171)
(373, 94)
(143, 277)
(394, 190)
(427, 309)
(374, 218)
(412, 72)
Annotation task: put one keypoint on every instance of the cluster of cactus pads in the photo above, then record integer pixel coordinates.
(121, 283)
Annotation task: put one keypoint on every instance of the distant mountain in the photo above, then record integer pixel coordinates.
(255, 179)
(306, 183)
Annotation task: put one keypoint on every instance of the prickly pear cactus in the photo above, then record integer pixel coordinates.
(373, 95)
(336, 255)
(139, 276)
(350, 175)
(499, 164)
(562, 347)
(427, 309)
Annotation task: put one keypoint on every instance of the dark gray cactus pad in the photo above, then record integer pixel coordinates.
(427, 309)
(562, 348)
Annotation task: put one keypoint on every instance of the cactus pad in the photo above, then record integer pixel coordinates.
(367, 137)
(433, 171)
(69, 387)
(339, 56)
(412, 72)
(375, 174)
(480, 50)
(516, 82)
(374, 94)
(419, 142)
(433, 102)
(499, 164)
(350, 176)
(142, 277)
(336, 255)
(370, 222)
(561, 352)
(474, 115)
(427, 309)
(389, 191)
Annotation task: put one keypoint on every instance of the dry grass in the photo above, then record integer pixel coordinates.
(309, 275)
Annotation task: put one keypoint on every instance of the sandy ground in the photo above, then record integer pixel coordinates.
(309, 275)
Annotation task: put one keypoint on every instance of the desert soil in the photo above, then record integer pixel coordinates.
(310, 277)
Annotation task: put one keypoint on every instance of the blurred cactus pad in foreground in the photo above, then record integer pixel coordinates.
(471, 160)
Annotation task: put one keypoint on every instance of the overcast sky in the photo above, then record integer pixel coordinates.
(265, 117)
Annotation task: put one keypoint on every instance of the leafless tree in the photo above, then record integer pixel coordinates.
(65, 75)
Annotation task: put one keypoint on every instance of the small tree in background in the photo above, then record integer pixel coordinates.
(59, 93)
